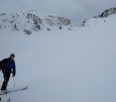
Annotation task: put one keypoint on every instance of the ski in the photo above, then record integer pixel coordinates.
(14, 90)
(7, 100)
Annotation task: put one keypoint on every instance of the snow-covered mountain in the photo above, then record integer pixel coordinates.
(33, 21)
(106, 13)
(77, 65)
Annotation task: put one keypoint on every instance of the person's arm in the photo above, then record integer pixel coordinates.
(14, 69)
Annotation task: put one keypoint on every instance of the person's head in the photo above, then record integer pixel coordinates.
(12, 56)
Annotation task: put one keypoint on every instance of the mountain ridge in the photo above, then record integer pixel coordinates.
(104, 14)
(32, 21)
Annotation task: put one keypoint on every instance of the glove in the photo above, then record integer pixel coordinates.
(13, 75)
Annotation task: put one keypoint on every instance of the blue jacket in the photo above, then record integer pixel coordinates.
(8, 64)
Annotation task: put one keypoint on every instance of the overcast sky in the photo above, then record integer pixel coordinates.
(76, 10)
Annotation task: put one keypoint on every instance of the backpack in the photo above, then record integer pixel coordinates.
(1, 66)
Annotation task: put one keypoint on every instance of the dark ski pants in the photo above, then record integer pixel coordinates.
(6, 75)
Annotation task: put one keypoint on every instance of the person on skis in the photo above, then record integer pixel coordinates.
(7, 66)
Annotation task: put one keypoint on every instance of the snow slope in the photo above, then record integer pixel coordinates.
(64, 65)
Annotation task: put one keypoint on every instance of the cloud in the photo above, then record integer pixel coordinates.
(76, 10)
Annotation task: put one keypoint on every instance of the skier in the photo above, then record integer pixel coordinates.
(7, 66)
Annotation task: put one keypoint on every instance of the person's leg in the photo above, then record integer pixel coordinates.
(6, 79)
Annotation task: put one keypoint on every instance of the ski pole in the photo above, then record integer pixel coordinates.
(14, 82)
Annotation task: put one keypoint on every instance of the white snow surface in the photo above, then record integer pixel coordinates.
(77, 65)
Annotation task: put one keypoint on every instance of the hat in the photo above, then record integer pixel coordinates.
(12, 55)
